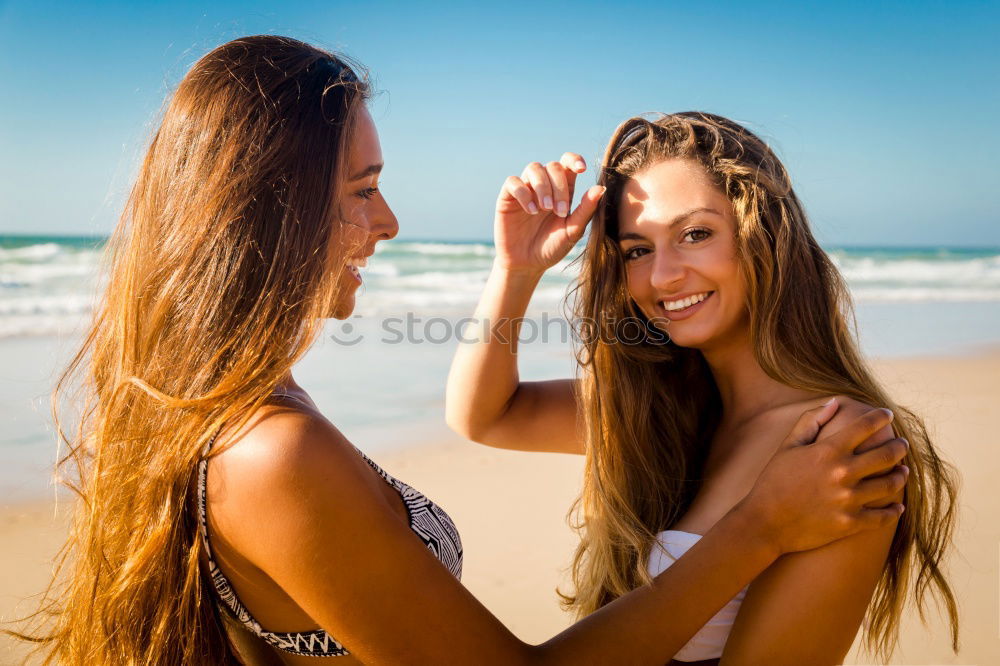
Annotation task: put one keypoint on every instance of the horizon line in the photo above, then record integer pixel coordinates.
(468, 241)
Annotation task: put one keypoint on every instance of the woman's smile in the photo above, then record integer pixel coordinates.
(354, 266)
(683, 308)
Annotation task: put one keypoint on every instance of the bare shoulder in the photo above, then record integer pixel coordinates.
(282, 467)
(766, 430)
(762, 434)
(279, 441)
(787, 414)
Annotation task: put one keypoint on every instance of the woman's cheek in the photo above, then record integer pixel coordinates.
(637, 279)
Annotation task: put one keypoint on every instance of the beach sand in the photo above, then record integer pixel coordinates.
(511, 509)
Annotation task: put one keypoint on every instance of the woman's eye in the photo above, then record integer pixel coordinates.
(634, 253)
(368, 192)
(697, 235)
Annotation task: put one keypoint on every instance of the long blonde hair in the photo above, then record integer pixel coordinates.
(651, 408)
(221, 270)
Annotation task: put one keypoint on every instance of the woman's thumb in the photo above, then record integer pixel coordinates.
(577, 221)
(807, 427)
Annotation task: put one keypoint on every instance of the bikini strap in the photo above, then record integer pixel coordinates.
(203, 498)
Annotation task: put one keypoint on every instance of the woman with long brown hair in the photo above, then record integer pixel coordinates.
(700, 244)
(221, 518)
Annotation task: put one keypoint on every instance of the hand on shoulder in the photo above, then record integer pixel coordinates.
(849, 410)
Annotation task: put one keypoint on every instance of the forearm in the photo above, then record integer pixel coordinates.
(650, 624)
(483, 376)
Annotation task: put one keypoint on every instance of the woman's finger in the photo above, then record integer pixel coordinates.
(562, 193)
(574, 165)
(880, 490)
(873, 519)
(574, 162)
(808, 426)
(877, 460)
(537, 177)
(851, 436)
(577, 222)
(515, 188)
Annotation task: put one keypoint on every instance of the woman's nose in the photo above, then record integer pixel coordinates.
(385, 225)
(668, 272)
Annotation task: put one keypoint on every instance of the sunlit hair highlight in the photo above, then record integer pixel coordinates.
(651, 409)
(219, 276)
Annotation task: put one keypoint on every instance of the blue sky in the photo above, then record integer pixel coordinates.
(885, 113)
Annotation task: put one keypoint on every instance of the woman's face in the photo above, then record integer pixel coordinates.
(365, 210)
(677, 236)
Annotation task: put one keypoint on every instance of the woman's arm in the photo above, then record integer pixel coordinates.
(306, 513)
(806, 608)
(486, 401)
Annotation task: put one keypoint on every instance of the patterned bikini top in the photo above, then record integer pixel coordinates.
(427, 520)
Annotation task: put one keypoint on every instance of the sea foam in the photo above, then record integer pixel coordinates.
(50, 285)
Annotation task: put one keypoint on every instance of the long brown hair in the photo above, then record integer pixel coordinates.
(651, 408)
(220, 273)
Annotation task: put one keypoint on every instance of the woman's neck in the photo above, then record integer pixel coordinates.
(287, 384)
(745, 389)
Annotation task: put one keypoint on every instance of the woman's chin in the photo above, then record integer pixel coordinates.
(343, 308)
(706, 341)
(688, 339)
(685, 345)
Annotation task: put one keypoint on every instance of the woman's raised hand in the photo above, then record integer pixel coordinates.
(534, 226)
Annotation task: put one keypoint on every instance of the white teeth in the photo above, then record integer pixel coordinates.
(673, 306)
(358, 262)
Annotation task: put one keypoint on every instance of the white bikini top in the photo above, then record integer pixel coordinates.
(711, 638)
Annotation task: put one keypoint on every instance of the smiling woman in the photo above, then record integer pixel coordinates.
(232, 250)
(701, 235)
(700, 241)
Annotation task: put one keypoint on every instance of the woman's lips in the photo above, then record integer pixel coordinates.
(678, 315)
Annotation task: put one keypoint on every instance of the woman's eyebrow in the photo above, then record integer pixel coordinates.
(370, 170)
(693, 211)
(631, 235)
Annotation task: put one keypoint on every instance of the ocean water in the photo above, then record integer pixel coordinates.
(380, 375)
(48, 283)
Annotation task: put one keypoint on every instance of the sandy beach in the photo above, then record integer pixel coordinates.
(511, 509)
